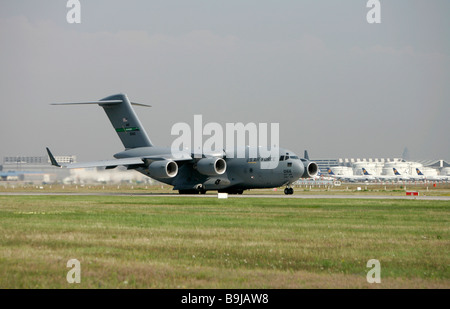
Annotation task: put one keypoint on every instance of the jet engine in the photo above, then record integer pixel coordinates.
(163, 169)
(311, 169)
(212, 166)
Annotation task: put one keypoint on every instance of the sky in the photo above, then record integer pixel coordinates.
(337, 85)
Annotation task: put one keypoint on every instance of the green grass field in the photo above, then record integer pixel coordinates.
(191, 242)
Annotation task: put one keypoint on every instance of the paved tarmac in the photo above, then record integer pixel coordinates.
(295, 196)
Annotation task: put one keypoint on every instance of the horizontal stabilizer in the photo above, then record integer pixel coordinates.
(106, 102)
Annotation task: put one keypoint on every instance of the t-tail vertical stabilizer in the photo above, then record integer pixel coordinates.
(125, 122)
(123, 119)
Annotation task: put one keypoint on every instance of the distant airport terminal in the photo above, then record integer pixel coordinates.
(38, 169)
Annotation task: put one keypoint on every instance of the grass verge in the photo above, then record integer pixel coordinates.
(189, 242)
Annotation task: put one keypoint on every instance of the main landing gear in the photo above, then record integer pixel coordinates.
(288, 191)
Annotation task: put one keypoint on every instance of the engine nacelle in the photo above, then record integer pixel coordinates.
(212, 166)
(311, 169)
(163, 169)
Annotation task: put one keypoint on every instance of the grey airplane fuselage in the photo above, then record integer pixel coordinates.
(241, 173)
(230, 171)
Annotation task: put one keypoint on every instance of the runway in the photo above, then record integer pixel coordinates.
(277, 196)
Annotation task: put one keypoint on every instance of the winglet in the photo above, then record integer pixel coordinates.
(52, 158)
(306, 155)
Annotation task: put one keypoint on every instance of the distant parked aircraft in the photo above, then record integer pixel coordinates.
(432, 178)
(400, 176)
(352, 178)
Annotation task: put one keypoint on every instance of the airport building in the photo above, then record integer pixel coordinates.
(33, 169)
(354, 166)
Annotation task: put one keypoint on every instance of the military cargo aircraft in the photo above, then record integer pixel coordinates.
(188, 173)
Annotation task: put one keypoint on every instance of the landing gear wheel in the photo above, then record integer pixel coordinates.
(288, 191)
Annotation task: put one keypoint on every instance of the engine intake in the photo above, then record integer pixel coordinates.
(212, 166)
(163, 169)
(311, 169)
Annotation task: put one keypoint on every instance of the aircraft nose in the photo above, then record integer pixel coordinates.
(297, 169)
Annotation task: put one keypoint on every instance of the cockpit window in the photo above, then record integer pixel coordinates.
(283, 158)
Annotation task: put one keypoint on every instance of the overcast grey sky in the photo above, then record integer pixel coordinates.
(338, 86)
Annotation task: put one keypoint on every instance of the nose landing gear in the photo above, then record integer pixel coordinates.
(288, 191)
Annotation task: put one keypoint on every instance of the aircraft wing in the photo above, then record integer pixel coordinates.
(117, 162)
(107, 163)
(179, 157)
